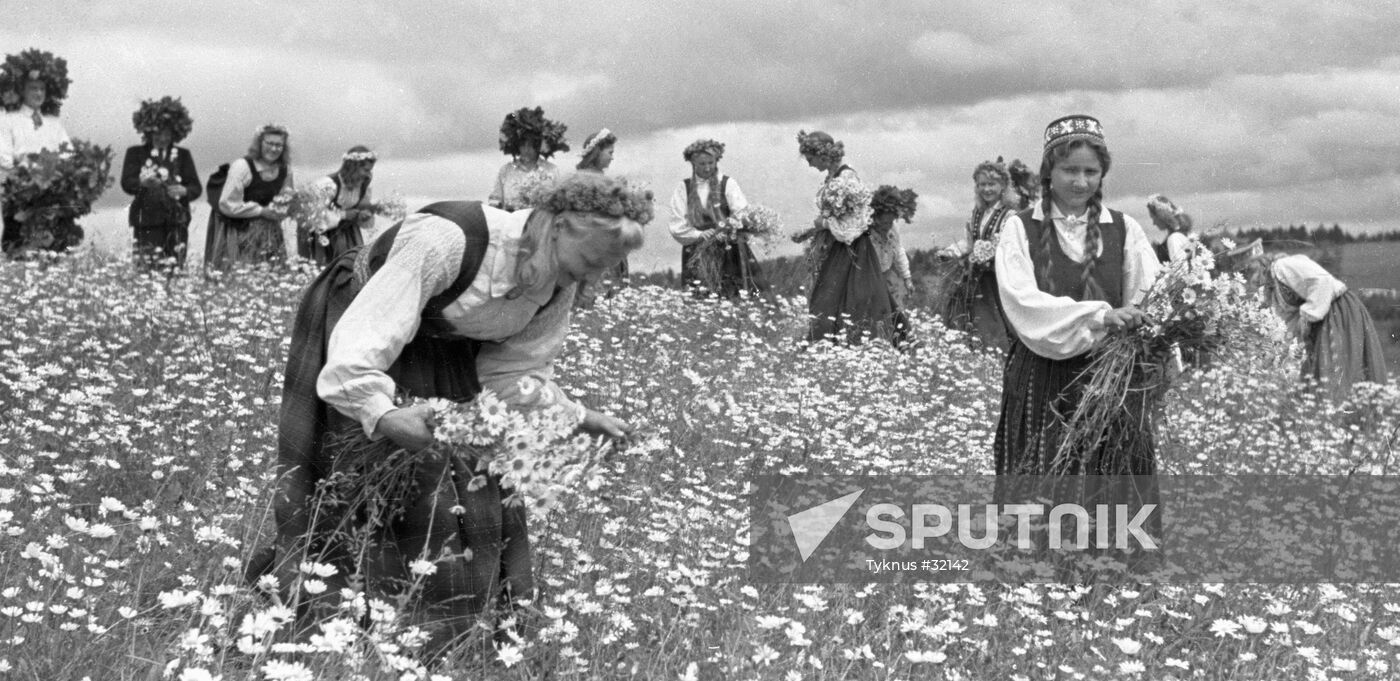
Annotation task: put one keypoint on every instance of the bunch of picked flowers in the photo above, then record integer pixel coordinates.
(1188, 306)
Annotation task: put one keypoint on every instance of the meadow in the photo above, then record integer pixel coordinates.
(137, 440)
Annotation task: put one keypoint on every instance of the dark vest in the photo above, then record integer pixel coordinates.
(262, 191)
(1066, 277)
(707, 217)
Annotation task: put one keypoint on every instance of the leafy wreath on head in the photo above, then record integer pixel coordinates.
(530, 124)
(592, 193)
(891, 199)
(34, 64)
(714, 148)
(820, 145)
(167, 112)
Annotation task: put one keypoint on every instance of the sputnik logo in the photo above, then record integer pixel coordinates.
(811, 526)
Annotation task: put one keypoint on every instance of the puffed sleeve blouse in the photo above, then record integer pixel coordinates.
(1059, 327)
(522, 335)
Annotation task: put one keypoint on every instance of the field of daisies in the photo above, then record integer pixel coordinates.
(137, 435)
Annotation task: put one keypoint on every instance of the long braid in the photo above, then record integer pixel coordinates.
(1047, 226)
(1093, 240)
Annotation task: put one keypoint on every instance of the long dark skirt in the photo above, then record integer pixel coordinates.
(1038, 395)
(161, 246)
(253, 241)
(1344, 348)
(480, 553)
(721, 269)
(850, 300)
(339, 240)
(974, 307)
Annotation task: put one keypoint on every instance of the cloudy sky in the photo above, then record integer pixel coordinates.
(1245, 112)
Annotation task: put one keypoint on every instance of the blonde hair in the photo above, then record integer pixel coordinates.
(537, 255)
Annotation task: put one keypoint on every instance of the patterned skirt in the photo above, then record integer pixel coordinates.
(1344, 348)
(232, 241)
(1038, 395)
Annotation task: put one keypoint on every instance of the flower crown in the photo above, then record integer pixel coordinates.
(819, 145)
(594, 193)
(167, 113)
(359, 157)
(891, 199)
(272, 129)
(33, 64)
(530, 124)
(704, 146)
(997, 168)
(604, 137)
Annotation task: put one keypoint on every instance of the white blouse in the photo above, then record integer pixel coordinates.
(19, 136)
(514, 180)
(523, 335)
(681, 229)
(347, 197)
(1177, 247)
(1315, 285)
(1059, 327)
(231, 202)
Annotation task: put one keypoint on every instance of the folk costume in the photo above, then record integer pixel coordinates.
(516, 181)
(236, 232)
(325, 243)
(1343, 347)
(26, 130)
(437, 306)
(698, 205)
(850, 300)
(1055, 296)
(160, 223)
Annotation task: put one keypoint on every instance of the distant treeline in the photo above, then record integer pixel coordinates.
(1319, 235)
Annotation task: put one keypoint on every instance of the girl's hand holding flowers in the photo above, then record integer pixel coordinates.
(598, 423)
(1124, 318)
(408, 427)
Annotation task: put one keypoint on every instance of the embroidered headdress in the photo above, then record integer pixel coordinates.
(33, 64)
(530, 124)
(1070, 128)
(167, 113)
(595, 193)
(711, 147)
(820, 145)
(890, 199)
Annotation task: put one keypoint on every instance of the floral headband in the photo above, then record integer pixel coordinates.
(820, 146)
(603, 137)
(592, 193)
(711, 147)
(359, 157)
(996, 168)
(272, 129)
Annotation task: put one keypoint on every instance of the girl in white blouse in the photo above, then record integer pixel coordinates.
(1343, 347)
(1069, 271)
(457, 298)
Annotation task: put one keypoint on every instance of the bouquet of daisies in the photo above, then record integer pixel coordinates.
(845, 203)
(1189, 306)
